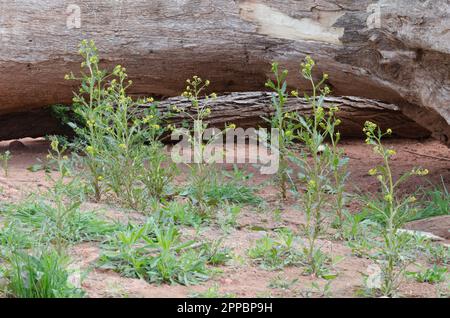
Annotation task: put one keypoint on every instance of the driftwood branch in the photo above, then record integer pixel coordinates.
(248, 110)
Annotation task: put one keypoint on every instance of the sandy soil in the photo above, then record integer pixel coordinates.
(240, 277)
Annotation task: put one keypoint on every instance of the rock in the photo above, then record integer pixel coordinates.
(439, 226)
(422, 234)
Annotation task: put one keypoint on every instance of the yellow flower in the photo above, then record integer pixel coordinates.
(373, 171)
(93, 59)
(294, 93)
(150, 100)
(100, 178)
(309, 61)
(326, 90)
(156, 126)
(147, 119)
(420, 172)
(274, 66)
(232, 126)
(412, 199)
(55, 144)
(334, 109)
(123, 146)
(389, 131)
(388, 197)
(377, 149)
(369, 126)
(90, 150)
(391, 152)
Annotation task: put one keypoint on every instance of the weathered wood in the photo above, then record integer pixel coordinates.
(395, 51)
(249, 108)
(243, 109)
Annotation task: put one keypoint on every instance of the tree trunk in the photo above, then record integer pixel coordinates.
(394, 51)
(243, 109)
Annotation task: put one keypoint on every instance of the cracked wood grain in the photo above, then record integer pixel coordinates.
(405, 61)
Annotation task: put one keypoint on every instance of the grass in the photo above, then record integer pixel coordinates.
(181, 214)
(436, 253)
(43, 275)
(431, 275)
(212, 292)
(157, 254)
(216, 254)
(13, 235)
(275, 253)
(40, 217)
(279, 282)
(232, 193)
(228, 219)
(435, 202)
(4, 159)
(224, 191)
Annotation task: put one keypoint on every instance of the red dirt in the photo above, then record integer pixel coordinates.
(240, 277)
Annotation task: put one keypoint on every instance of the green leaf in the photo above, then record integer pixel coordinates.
(329, 276)
(35, 168)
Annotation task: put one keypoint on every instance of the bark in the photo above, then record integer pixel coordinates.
(243, 109)
(250, 108)
(394, 51)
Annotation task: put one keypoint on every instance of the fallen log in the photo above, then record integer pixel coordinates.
(245, 109)
(394, 51)
(249, 108)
